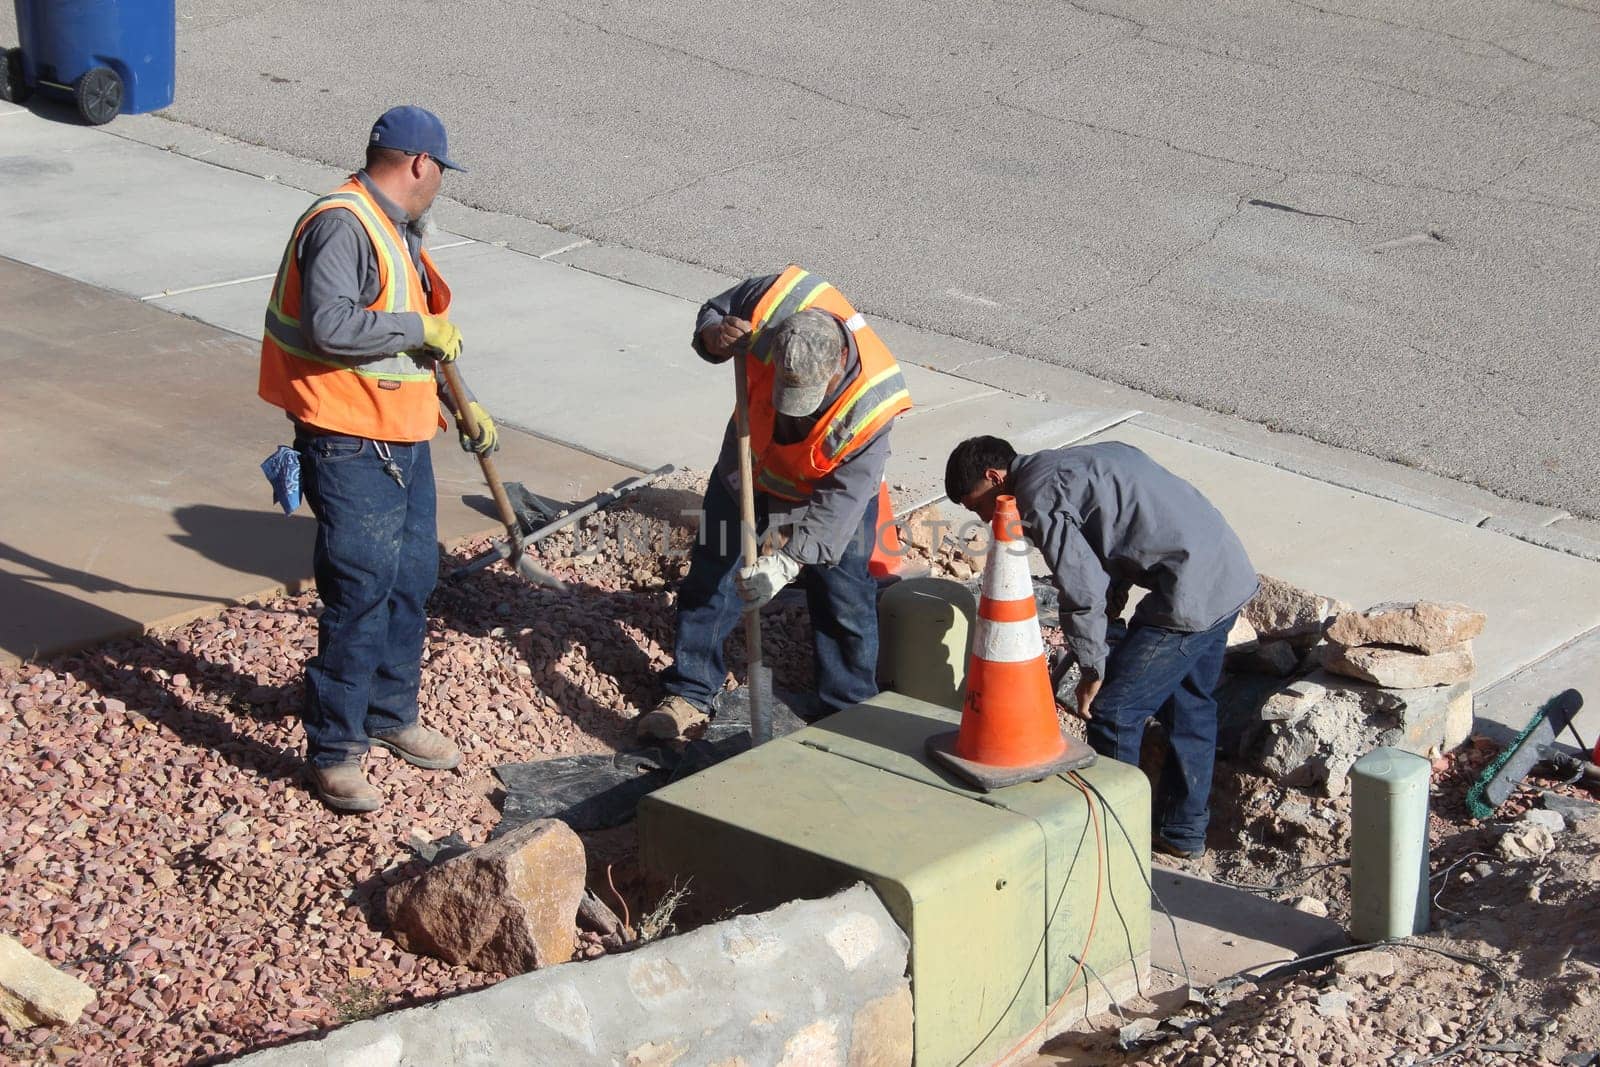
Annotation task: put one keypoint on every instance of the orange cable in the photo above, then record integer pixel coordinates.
(1099, 883)
(626, 925)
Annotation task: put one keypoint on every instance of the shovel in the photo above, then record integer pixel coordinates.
(760, 678)
(502, 503)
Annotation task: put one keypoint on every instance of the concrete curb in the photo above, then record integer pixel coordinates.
(813, 983)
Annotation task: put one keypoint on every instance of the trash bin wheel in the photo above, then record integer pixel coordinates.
(12, 87)
(98, 95)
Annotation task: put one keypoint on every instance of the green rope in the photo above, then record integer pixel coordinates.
(1475, 803)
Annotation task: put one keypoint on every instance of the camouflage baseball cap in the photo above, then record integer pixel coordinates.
(808, 350)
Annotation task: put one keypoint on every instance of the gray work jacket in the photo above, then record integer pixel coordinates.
(822, 526)
(1106, 517)
(339, 279)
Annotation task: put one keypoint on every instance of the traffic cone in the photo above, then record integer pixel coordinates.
(887, 551)
(1009, 731)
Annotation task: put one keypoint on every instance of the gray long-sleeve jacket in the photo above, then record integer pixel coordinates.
(1105, 517)
(824, 524)
(339, 279)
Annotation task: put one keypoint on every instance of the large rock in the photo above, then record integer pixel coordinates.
(1312, 730)
(1395, 668)
(509, 906)
(1425, 626)
(1280, 610)
(1242, 636)
(33, 993)
(1293, 701)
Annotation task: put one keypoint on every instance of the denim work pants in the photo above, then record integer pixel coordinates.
(1169, 676)
(843, 599)
(376, 561)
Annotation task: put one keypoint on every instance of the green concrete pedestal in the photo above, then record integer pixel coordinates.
(995, 890)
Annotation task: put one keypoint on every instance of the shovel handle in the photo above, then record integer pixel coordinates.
(469, 425)
(760, 714)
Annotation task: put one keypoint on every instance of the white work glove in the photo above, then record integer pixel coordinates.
(759, 584)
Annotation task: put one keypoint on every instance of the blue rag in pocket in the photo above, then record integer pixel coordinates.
(282, 469)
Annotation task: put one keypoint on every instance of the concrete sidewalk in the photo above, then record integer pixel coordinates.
(132, 495)
(587, 345)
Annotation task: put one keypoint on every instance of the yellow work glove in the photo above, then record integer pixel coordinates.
(488, 438)
(440, 335)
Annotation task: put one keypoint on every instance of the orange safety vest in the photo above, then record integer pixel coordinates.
(867, 405)
(392, 398)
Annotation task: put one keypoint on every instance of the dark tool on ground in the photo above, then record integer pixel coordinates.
(532, 503)
(1536, 742)
(598, 792)
(502, 503)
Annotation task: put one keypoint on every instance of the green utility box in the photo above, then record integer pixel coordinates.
(996, 891)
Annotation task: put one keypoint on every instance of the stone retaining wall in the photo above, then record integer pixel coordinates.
(813, 983)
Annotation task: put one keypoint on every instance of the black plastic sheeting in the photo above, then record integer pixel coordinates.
(598, 792)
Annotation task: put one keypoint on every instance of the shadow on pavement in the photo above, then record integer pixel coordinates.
(268, 544)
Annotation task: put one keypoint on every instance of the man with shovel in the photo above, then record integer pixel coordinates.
(823, 394)
(356, 329)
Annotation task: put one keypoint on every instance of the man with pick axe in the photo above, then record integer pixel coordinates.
(823, 392)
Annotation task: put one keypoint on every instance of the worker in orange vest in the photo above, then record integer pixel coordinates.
(824, 392)
(357, 321)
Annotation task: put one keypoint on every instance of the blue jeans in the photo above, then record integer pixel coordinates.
(376, 560)
(1169, 676)
(843, 599)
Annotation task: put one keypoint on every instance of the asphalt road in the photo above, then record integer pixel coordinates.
(1373, 223)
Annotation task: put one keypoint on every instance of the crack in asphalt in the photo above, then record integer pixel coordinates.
(1171, 261)
(1291, 209)
(687, 54)
(1306, 4)
(769, 157)
(1130, 134)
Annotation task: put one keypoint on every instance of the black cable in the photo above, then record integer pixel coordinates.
(1178, 943)
(1044, 936)
(1110, 996)
(1284, 883)
(1445, 874)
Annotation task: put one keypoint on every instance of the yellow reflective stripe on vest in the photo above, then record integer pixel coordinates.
(798, 295)
(778, 484)
(279, 286)
(286, 330)
(884, 390)
(401, 366)
(397, 260)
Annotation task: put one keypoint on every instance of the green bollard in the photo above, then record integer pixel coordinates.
(1388, 845)
(924, 635)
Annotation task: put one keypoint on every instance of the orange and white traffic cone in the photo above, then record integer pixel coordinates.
(1009, 731)
(887, 552)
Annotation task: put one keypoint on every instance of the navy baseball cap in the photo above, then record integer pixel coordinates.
(413, 130)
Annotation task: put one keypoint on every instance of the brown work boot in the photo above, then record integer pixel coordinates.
(672, 717)
(421, 746)
(344, 787)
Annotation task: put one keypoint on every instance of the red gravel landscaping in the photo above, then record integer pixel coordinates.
(159, 842)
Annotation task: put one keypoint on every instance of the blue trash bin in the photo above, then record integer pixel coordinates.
(108, 56)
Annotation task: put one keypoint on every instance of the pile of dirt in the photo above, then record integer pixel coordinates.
(1529, 922)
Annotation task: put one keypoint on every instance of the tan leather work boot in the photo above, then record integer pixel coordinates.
(423, 747)
(671, 718)
(344, 787)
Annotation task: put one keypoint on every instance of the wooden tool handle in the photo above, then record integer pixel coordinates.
(469, 426)
(760, 717)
